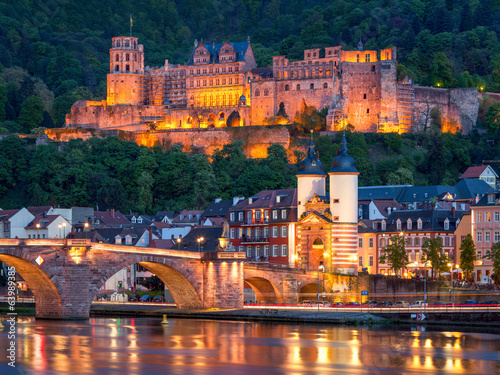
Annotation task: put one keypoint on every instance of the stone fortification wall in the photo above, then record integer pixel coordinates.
(458, 107)
(257, 139)
(361, 92)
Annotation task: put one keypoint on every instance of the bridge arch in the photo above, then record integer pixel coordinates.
(48, 301)
(180, 286)
(265, 291)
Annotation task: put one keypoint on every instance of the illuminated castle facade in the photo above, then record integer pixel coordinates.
(221, 85)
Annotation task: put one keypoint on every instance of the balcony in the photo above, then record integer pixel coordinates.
(261, 221)
(250, 240)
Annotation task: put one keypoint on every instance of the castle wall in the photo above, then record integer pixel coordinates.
(125, 117)
(458, 107)
(257, 139)
(361, 91)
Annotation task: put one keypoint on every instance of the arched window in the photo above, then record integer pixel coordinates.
(117, 57)
(266, 92)
(287, 88)
(127, 57)
(298, 87)
(311, 86)
(325, 85)
(257, 92)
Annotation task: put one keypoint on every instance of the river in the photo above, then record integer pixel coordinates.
(189, 347)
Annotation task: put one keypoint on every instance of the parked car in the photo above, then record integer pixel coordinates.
(353, 303)
(418, 303)
(145, 298)
(492, 302)
(440, 303)
(469, 302)
(370, 303)
(385, 304)
(158, 299)
(401, 304)
(337, 304)
(101, 297)
(305, 302)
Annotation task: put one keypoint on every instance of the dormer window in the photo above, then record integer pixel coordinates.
(134, 220)
(139, 220)
(313, 163)
(283, 214)
(398, 224)
(383, 224)
(419, 223)
(491, 198)
(408, 224)
(446, 224)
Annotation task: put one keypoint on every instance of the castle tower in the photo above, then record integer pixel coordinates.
(310, 179)
(126, 80)
(388, 91)
(344, 210)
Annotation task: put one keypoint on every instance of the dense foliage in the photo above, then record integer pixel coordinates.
(111, 173)
(56, 52)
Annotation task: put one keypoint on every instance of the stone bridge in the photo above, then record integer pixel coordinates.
(65, 275)
(285, 285)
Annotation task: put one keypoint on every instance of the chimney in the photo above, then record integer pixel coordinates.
(112, 211)
(218, 200)
(453, 212)
(150, 235)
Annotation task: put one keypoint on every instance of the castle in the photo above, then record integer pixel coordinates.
(221, 86)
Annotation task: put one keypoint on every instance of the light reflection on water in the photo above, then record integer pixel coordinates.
(144, 346)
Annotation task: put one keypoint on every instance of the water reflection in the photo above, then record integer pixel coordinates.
(144, 346)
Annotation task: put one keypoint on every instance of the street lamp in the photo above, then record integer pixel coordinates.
(86, 228)
(199, 243)
(425, 285)
(37, 227)
(60, 226)
(178, 244)
(64, 230)
(321, 268)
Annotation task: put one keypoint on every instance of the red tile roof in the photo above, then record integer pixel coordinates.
(7, 214)
(43, 221)
(474, 172)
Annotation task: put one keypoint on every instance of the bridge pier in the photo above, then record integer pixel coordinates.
(223, 280)
(290, 292)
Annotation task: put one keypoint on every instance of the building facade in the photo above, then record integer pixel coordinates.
(485, 230)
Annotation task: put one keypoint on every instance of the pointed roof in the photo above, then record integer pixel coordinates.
(476, 172)
(343, 163)
(214, 49)
(311, 165)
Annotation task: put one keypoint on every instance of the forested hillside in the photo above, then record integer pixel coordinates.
(110, 173)
(55, 52)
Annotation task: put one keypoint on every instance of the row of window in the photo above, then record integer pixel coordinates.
(214, 100)
(487, 236)
(35, 236)
(263, 251)
(487, 216)
(370, 261)
(211, 70)
(217, 81)
(409, 223)
(258, 233)
(304, 74)
(311, 87)
(127, 57)
(257, 215)
(418, 241)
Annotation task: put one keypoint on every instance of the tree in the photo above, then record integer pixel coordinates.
(433, 253)
(145, 198)
(441, 74)
(31, 115)
(467, 256)
(493, 118)
(395, 254)
(494, 255)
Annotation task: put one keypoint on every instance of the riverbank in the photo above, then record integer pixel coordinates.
(260, 315)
